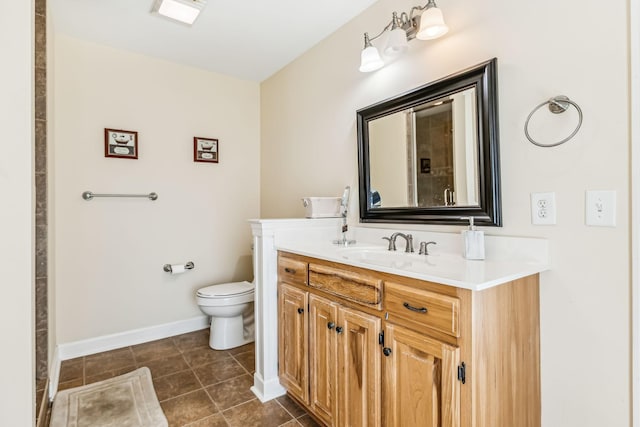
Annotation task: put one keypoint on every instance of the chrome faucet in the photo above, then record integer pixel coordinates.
(449, 199)
(394, 236)
(344, 205)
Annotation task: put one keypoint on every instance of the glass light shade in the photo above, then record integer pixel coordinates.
(397, 43)
(432, 24)
(370, 60)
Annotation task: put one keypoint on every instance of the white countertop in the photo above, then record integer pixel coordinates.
(506, 259)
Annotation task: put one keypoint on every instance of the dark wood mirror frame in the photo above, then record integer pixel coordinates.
(489, 213)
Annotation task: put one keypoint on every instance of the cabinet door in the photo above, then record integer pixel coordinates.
(359, 381)
(421, 387)
(323, 318)
(292, 351)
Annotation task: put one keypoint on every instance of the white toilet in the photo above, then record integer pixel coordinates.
(230, 306)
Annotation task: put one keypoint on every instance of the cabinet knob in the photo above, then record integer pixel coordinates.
(339, 329)
(331, 325)
(290, 270)
(386, 351)
(300, 310)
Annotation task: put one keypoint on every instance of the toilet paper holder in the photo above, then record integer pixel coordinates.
(188, 266)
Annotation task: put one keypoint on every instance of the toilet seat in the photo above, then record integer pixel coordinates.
(226, 290)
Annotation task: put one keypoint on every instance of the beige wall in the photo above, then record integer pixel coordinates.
(308, 139)
(17, 391)
(110, 252)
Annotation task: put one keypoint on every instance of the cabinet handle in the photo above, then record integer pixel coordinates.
(300, 310)
(386, 351)
(418, 310)
(331, 325)
(290, 270)
(339, 329)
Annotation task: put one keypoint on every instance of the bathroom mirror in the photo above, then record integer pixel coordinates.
(431, 155)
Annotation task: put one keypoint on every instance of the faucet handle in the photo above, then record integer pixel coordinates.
(424, 247)
(392, 243)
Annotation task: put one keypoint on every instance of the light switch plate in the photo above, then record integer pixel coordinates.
(600, 208)
(543, 208)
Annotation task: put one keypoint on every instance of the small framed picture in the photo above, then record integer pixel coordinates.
(425, 165)
(205, 150)
(120, 143)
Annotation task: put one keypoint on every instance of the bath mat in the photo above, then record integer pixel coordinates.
(125, 401)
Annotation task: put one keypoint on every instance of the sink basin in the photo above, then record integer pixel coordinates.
(376, 256)
(401, 260)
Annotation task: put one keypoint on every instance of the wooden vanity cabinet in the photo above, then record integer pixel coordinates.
(344, 364)
(340, 365)
(375, 349)
(421, 383)
(323, 368)
(293, 350)
(421, 387)
(293, 328)
(359, 387)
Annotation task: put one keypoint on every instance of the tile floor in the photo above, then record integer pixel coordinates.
(196, 386)
(41, 409)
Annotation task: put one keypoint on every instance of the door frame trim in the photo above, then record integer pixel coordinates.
(634, 60)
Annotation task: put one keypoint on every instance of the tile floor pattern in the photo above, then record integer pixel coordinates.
(196, 386)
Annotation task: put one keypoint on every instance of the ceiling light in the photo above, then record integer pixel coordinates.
(428, 26)
(185, 11)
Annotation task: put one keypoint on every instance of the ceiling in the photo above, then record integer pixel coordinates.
(247, 39)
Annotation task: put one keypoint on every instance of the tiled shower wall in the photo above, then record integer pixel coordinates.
(435, 143)
(40, 91)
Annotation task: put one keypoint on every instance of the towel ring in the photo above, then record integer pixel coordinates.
(557, 104)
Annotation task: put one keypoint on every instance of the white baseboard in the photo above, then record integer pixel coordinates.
(122, 339)
(266, 391)
(54, 374)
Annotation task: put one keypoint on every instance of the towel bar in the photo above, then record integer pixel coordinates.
(88, 195)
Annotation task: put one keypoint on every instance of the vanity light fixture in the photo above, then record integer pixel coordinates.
(427, 25)
(184, 11)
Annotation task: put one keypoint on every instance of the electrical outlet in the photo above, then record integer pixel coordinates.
(543, 208)
(600, 208)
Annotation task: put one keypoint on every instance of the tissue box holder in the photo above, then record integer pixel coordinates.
(322, 207)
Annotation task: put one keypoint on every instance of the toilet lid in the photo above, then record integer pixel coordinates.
(226, 289)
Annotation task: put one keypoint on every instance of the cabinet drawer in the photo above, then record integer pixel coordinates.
(292, 271)
(418, 308)
(357, 287)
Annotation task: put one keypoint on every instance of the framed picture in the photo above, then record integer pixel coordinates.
(120, 143)
(205, 150)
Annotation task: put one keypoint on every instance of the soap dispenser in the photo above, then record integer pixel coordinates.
(473, 241)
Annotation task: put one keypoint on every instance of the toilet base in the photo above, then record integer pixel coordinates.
(229, 332)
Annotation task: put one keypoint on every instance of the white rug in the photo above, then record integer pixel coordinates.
(125, 401)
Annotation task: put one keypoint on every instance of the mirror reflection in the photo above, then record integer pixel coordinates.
(426, 155)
